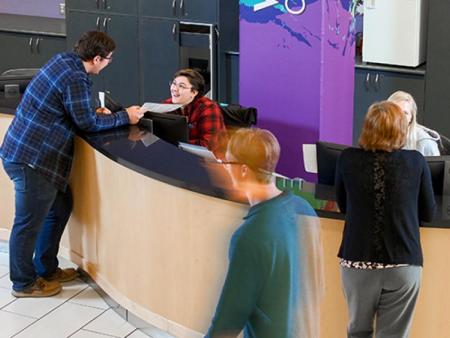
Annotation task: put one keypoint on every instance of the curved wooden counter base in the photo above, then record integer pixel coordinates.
(161, 251)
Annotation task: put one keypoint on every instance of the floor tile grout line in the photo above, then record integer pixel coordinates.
(135, 330)
(52, 310)
(101, 333)
(12, 301)
(20, 314)
(91, 306)
(81, 328)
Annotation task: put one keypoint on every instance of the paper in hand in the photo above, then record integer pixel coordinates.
(159, 107)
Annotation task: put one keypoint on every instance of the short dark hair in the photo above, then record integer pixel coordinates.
(195, 79)
(385, 128)
(94, 43)
(258, 149)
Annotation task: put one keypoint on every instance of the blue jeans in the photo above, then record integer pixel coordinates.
(41, 214)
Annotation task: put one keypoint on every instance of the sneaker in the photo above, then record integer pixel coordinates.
(40, 288)
(63, 275)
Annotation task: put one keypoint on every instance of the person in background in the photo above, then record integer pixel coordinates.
(37, 155)
(419, 138)
(384, 192)
(274, 279)
(204, 115)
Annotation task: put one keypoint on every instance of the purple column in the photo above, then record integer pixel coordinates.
(298, 71)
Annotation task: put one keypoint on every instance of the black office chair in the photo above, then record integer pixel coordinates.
(236, 116)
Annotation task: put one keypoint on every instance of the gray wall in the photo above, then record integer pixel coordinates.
(45, 8)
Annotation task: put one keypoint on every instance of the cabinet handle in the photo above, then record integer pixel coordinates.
(217, 33)
(105, 24)
(367, 82)
(97, 23)
(174, 31)
(182, 7)
(38, 43)
(97, 2)
(105, 4)
(174, 5)
(377, 82)
(30, 44)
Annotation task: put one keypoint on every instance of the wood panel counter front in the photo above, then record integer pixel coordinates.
(160, 250)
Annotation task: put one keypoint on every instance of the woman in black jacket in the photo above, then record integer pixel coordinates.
(385, 193)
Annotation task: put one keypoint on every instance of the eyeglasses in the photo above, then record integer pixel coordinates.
(263, 171)
(108, 58)
(180, 86)
(230, 162)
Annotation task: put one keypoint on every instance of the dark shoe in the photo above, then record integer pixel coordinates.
(40, 288)
(63, 275)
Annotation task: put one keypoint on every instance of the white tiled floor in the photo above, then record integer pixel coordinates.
(78, 312)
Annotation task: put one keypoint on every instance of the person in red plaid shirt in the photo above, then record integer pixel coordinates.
(204, 115)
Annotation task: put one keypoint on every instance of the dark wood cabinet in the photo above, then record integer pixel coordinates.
(437, 102)
(24, 50)
(185, 10)
(378, 83)
(160, 57)
(121, 77)
(154, 39)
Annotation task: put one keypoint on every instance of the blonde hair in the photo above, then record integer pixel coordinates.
(411, 137)
(256, 148)
(384, 128)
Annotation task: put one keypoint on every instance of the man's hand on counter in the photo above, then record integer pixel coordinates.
(103, 110)
(134, 114)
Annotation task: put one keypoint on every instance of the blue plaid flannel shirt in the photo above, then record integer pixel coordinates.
(56, 104)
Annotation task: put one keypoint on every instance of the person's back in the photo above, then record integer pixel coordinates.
(382, 189)
(384, 192)
(268, 265)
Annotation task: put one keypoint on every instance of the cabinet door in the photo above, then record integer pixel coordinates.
(19, 52)
(160, 8)
(437, 102)
(122, 74)
(88, 5)
(78, 23)
(160, 57)
(372, 86)
(113, 6)
(198, 10)
(45, 47)
(119, 6)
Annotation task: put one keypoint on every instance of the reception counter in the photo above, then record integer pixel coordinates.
(152, 231)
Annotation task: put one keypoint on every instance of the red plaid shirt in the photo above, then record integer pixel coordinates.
(205, 122)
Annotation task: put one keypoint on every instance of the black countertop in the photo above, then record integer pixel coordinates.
(143, 152)
(32, 25)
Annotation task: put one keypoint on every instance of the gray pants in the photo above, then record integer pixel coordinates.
(385, 295)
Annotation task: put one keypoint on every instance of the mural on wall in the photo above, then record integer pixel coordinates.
(296, 63)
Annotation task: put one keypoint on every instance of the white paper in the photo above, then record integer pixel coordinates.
(101, 97)
(159, 107)
(149, 139)
(197, 150)
(310, 158)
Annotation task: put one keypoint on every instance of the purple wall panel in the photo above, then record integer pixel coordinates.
(337, 80)
(298, 71)
(45, 8)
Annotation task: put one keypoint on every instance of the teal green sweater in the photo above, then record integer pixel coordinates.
(267, 285)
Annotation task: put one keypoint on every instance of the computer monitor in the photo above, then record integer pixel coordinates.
(327, 155)
(440, 173)
(169, 127)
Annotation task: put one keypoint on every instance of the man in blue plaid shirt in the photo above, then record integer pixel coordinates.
(37, 154)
